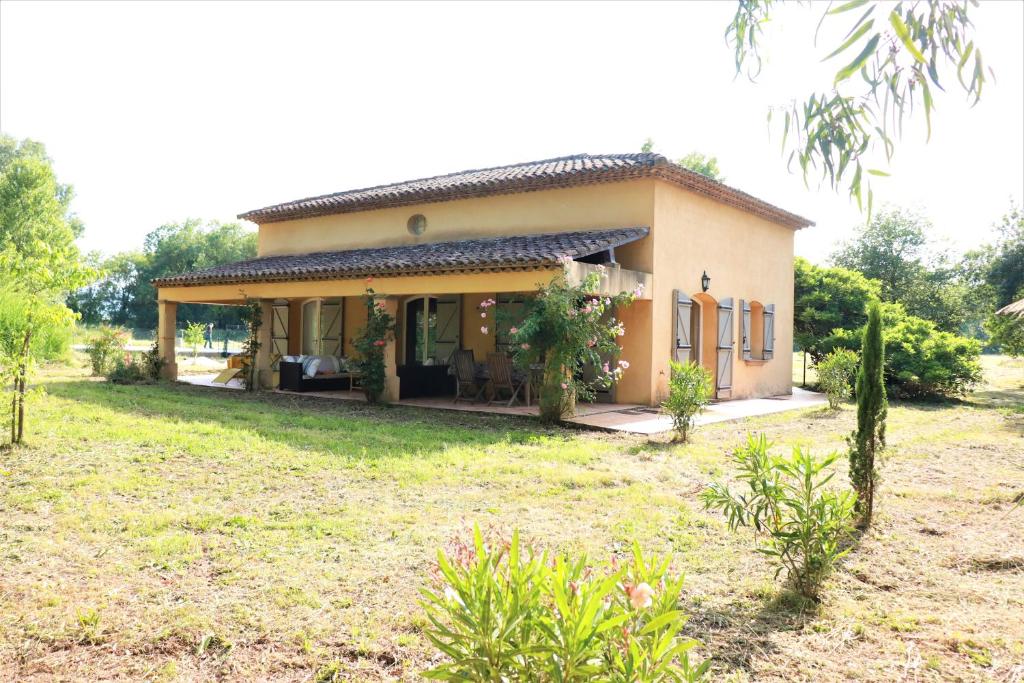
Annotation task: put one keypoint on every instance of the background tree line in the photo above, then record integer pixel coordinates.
(124, 295)
(938, 310)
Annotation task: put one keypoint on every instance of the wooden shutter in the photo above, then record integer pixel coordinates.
(446, 330)
(725, 345)
(745, 329)
(331, 339)
(278, 334)
(769, 331)
(684, 327)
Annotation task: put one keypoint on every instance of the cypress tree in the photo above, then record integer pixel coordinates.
(872, 407)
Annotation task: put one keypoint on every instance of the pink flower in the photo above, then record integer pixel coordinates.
(369, 279)
(624, 364)
(513, 330)
(641, 597)
(379, 342)
(483, 314)
(483, 329)
(638, 292)
(564, 385)
(524, 346)
(606, 368)
(587, 309)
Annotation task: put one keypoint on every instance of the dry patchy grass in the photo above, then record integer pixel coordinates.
(176, 533)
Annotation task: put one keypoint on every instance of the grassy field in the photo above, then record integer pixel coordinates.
(176, 533)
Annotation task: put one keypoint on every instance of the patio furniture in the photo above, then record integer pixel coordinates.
(467, 386)
(503, 378)
(292, 379)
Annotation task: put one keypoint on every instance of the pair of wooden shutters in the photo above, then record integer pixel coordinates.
(767, 331)
(684, 339)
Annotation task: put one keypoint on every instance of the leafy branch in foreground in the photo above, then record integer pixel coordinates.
(902, 53)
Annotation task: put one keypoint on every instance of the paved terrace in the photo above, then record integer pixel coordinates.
(613, 417)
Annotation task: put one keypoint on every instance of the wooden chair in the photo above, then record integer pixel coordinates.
(467, 388)
(499, 367)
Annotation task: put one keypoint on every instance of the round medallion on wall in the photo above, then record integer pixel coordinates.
(417, 224)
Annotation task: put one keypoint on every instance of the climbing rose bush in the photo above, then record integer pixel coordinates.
(567, 328)
(370, 344)
(502, 611)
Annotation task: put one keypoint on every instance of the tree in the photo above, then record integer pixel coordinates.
(32, 328)
(827, 299)
(194, 336)
(124, 296)
(40, 263)
(893, 248)
(872, 408)
(902, 51)
(1007, 331)
(703, 164)
(695, 161)
(1006, 269)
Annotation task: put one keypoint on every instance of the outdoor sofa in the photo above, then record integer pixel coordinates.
(307, 373)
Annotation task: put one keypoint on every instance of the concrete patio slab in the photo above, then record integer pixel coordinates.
(612, 417)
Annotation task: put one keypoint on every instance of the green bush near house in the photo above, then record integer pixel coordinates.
(106, 348)
(689, 391)
(921, 361)
(835, 372)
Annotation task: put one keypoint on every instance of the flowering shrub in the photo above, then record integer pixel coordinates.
(802, 526)
(688, 392)
(567, 328)
(371, 342)
(503, 612)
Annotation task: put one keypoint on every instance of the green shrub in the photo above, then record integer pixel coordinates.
(689, 391)
(835, 371)
(921, 361)
(503, 612)
(801, 525)
(125, 370)
(106, 348)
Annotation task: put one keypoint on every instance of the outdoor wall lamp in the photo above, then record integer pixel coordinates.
(705, 281)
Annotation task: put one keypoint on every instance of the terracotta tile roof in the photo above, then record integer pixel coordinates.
(521, 252)
(570, 171)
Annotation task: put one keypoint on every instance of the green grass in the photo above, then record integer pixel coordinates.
(170, 532)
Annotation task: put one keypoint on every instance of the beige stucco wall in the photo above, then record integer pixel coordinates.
(745, 256)
(603, 206)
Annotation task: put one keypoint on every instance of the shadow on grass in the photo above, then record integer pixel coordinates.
(347, 428)
(738, 634)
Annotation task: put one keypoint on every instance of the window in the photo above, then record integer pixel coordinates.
(417, 224)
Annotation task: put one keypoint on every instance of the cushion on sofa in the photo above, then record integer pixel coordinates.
(310, 364)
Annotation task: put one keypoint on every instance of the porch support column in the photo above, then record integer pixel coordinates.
(391, 380)
(265, 336)
(167, 321)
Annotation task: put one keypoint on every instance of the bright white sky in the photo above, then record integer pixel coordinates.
(158, 112)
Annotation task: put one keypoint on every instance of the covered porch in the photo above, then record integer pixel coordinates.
(312, 305)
